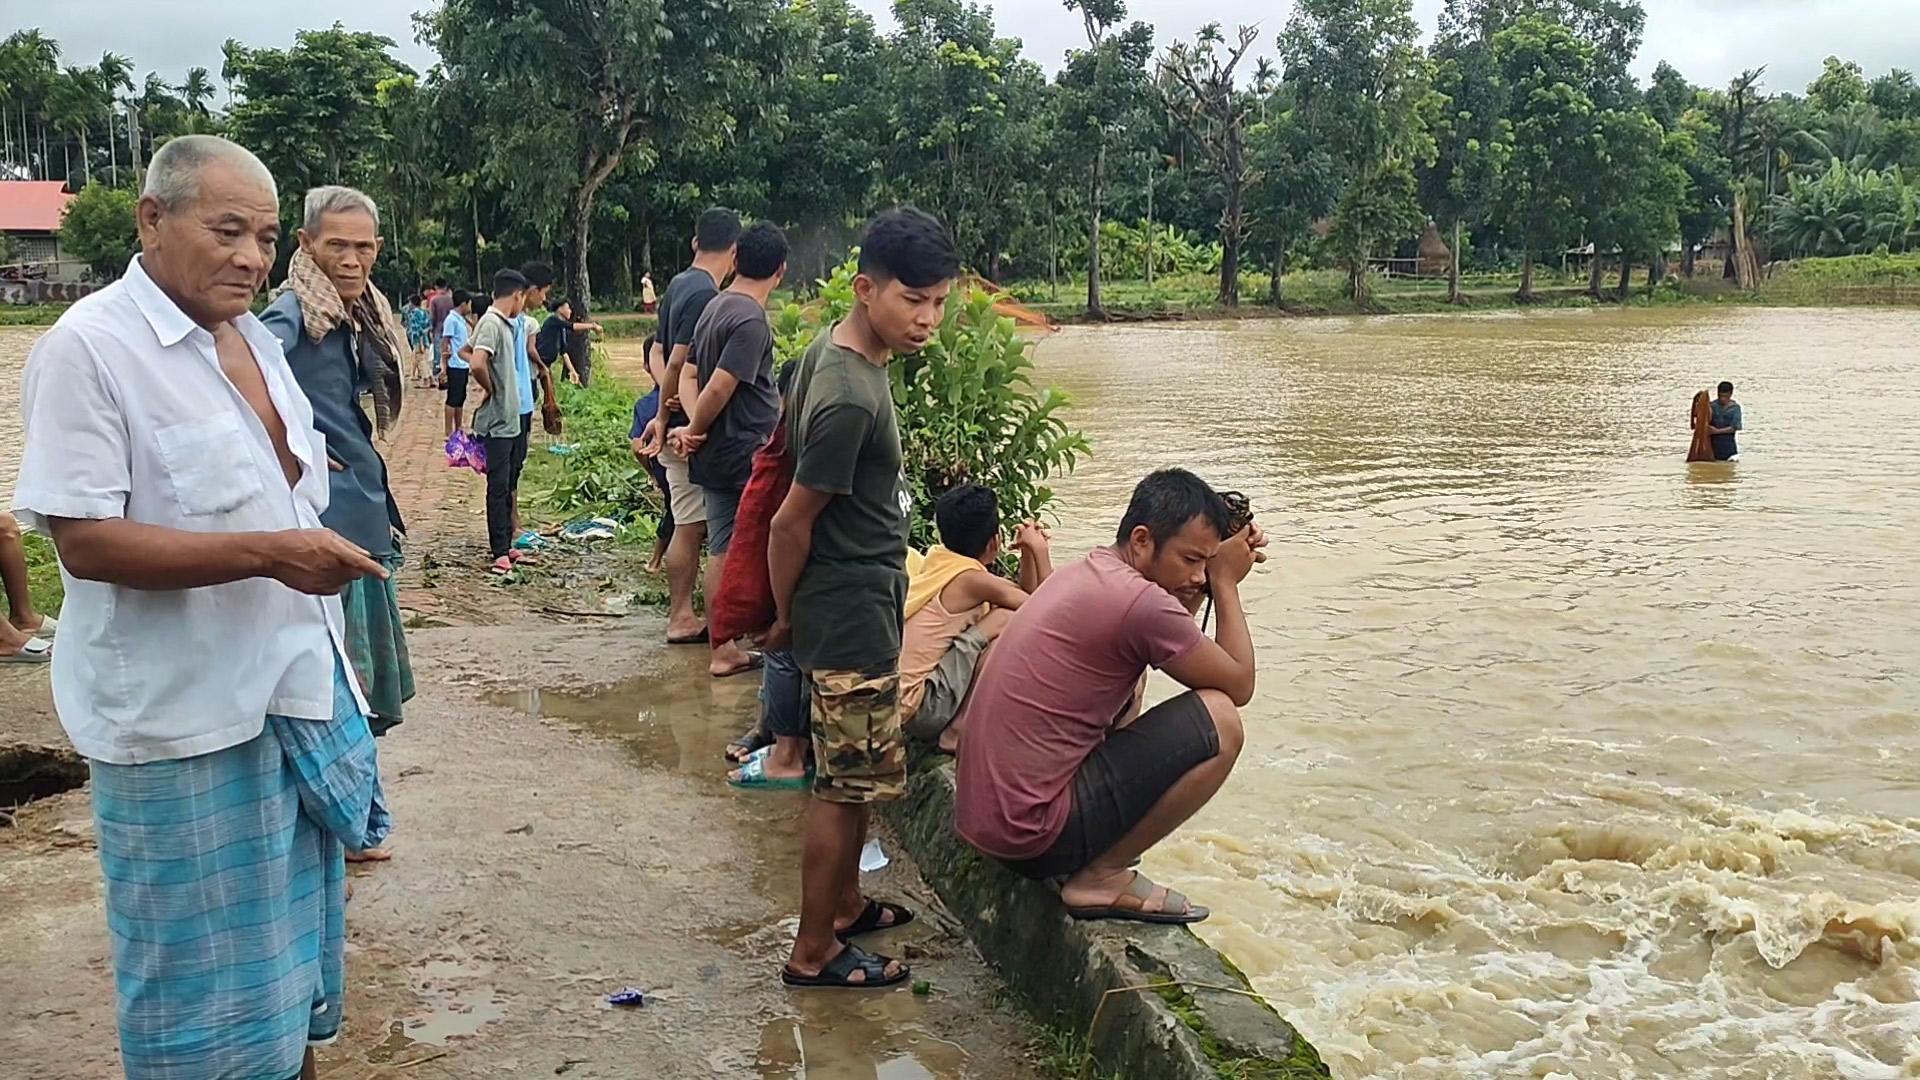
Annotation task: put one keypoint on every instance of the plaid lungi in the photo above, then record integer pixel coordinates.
(226, 895)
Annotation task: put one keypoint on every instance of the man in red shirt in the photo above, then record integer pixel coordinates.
(1060, 774)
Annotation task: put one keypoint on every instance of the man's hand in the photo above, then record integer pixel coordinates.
(685, 442)
(1032, 538)
(650, 439)
(320, 562)
(334, 464)
(1235, 559)
(1257, 540)
(669, 403)
(779, 636)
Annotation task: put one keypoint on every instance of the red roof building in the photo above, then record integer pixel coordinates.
(30, 213)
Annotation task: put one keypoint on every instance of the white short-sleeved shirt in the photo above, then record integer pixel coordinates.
(128, 415)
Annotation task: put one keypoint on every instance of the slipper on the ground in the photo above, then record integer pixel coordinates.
(35, 651)
(755, 661)
(753, 776)
(49, 628)
(869, 920)
(523, 558)
(501, 567)
(836, 975)
(700, 638)
(1131, 906)
(747, 745)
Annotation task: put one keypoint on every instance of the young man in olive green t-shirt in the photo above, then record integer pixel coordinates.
(837, 555)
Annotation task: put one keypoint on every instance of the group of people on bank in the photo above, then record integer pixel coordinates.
(212, 484)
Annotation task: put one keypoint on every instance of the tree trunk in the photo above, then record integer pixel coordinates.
(1230, 243)
(1276, 291)
(1593, 274)
(1686, 260)
(1053, 251)
(1746, 271)
(1096, 309)
(1453, 267)
(1525, 295)
(581, 217)
(1656, 275)
(1626, 278)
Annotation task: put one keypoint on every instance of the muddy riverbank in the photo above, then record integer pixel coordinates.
(562, 832)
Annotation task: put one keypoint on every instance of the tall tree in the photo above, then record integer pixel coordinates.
(1544, 67)
(1744, 99)
(1841, 84)
(1472, 136)
(1695, 142)
(605, 78)
(1296, 181)
(113, 74)
(1643, 188)
(1364, 90)
(197, 90)
(1198, 83)
(310, 111)
(1103, 88)
(1669, 95)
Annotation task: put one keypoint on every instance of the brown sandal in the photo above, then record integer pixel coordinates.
(1131, 906)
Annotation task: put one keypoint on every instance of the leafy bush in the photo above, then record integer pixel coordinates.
(600, 476)
(969, 411)
(99, 229)
(1124, 249)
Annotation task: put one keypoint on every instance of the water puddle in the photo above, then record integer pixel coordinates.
(455, 1003)
(680, 720)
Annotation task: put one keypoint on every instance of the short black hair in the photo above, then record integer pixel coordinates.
(717, 230)
(909, 246)
(481, 304)
(762, 252)
(508, 282)
(461, 296)
(413, 298)
(554, 302)
(538, 274)
(1166, 500)
(969, 519)
(439, 283)
(1726, 388)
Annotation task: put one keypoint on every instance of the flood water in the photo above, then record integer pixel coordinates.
(1569, 758)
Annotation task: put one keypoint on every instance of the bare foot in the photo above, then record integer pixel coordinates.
(783, 766)
(1097, 889)
(729, 660)
(893, 970)
(371, 855)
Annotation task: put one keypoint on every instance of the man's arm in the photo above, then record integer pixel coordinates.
(1226, 663)
(986, 587)
(711, 402)
(1036, 555)
(671, 389)
(481, 364)
(148, 557)
(789, 545)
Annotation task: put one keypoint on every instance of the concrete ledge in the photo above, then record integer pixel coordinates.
(1064, 969)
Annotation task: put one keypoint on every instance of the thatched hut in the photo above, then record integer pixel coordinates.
(1436, 257)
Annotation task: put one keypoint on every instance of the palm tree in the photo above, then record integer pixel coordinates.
(34, 70)
(113, 73)
(1853, 135)
(197, 91)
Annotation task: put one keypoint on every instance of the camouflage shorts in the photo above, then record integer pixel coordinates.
(860, 755)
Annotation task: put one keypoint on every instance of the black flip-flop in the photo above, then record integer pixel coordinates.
(700, 638)
(755, 661)
(869, 920)
(748, 744)
(1176, 910)
(835, 975)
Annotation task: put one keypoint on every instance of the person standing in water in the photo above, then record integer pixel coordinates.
(1725, 425)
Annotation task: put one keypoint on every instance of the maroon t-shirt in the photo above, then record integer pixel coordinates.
(1063, 671)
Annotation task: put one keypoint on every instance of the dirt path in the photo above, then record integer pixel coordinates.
(561, 833)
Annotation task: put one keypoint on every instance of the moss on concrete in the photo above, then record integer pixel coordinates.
(1303, 1063)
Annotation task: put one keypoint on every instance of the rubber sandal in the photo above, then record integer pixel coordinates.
(35, 651)
(835, 975)
(49, 628)
(753, 777)
(1178, 911)
(755, 661)
(501, 567)
(869, 920)
(700, 638)
(748, 745)
(523, 558)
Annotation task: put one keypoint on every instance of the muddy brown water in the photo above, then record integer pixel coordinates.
(1568, 759)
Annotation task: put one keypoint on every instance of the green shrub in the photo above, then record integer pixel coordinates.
(969, 411)
(600, 475)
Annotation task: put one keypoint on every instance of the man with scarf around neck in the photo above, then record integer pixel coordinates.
(341, 341)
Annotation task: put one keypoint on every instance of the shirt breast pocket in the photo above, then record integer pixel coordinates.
(209, 464)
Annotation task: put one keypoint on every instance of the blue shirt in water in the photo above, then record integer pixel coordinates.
(1726, 416)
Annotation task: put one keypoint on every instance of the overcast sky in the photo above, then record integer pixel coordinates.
(1709, 40)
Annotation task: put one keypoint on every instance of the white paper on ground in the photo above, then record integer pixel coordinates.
(872, 858)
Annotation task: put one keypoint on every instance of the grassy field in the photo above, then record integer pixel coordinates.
(30, 314)
(43, 572)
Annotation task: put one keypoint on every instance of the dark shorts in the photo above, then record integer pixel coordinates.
(520, 450)
(722, 507)
(1725, 447)
(1124, 778)
(457, 388)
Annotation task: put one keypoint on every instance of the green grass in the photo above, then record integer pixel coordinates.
(1302, 1062)
(31, 314)
(1059, 1054)
(43, 575)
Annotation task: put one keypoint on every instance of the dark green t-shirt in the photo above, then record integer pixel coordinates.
(846, 442)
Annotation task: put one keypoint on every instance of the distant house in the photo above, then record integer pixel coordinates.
(30, 213)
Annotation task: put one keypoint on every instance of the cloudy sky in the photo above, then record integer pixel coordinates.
(1709, 40)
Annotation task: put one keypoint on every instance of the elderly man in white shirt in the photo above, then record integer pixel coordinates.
(174, 461)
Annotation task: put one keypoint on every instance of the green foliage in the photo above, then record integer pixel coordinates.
(1545, 68)
(969, 412)
(43, 575)
(1844, 212)
(1124, 250)
(99, 229)
(601, 475)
